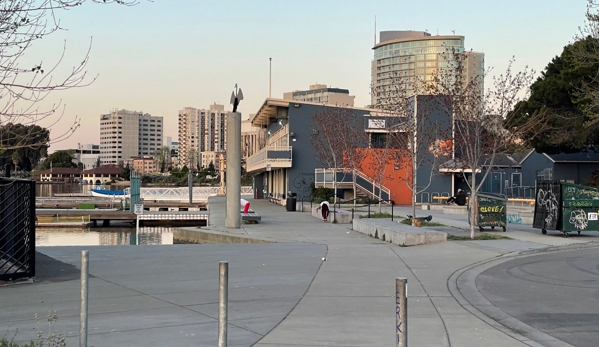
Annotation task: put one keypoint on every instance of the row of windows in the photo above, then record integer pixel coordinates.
(422, 43)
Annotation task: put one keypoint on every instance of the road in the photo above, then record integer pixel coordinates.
(554, 292)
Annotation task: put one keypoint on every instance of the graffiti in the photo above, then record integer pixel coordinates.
(398, 321)
(581, 191)
(483, 199)
(548, 201)
(514, 218)
(578, 203)
(486, 209)
(302, 184)
(579, 219)
(592, 215)
(490, 221)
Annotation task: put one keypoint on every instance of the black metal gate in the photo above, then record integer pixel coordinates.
(17, 228)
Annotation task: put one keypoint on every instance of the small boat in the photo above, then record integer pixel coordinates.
(112, 194)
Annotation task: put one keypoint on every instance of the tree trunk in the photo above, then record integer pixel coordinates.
(353, 172)
(472, 203)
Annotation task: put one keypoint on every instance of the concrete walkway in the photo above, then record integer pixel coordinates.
(282, 293)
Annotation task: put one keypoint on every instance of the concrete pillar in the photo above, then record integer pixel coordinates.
(233, 217)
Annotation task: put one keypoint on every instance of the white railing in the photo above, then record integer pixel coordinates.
(262, 156)
(182, 193)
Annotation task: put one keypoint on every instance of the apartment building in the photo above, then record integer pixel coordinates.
(125, 134)
(405, 58)
(201, 130)
(321, 94)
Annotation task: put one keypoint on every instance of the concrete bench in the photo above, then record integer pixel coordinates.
(250, 217)
(342, 216)
(397, 233)
(455, 209)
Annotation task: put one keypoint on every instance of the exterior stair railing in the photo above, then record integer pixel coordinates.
(324, 178)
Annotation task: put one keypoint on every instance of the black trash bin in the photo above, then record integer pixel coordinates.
(291, 203)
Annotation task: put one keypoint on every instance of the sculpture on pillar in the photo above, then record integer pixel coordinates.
(236, 97)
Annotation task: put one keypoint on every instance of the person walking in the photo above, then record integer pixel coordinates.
(324, 206)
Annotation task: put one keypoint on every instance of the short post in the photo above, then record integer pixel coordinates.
(84, 290)
(392, 203)
(401, 311)
(223, 302)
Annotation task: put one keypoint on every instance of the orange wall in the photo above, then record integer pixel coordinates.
(400, 193)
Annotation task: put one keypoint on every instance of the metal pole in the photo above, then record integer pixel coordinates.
(190, 184)
(392, 210)
(84, 289)
(137, 230)
(269, 76)
(223, 302)
(401, 312)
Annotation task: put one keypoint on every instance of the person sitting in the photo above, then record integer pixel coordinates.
(459, 199)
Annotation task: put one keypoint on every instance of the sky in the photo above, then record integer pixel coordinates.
(160, 56)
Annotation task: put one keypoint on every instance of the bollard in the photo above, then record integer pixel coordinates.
(84, 289)
(223, 303)
(401, 311)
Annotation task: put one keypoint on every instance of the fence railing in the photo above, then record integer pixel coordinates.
(17, 228)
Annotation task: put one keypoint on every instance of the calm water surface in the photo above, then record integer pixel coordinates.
(103, 236)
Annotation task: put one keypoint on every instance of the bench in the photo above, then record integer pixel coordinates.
(440, 199)
(250, 217)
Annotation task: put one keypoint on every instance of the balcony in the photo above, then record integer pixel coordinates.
(275, 157)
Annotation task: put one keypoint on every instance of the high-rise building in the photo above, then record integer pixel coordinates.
(411, 56)
(126, 134)
(320, 93)
(201, 130)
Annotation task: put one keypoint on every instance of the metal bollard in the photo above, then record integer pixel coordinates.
(401, 311)
(223, 303)
(84, 290)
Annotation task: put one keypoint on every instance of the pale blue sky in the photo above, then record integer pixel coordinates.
(161, 56)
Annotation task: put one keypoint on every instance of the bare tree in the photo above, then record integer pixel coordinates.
(338, 132)
(22, 88)
(421, 136)
(482, 120)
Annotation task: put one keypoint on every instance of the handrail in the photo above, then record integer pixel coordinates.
(359, 174)
(369, 203)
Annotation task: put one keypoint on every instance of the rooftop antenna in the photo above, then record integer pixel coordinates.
(269, 77)
(375, 30)
(453, 31)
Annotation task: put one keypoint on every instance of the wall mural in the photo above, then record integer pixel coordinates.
(302, 183)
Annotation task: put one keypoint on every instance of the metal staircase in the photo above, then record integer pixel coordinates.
(366, 186)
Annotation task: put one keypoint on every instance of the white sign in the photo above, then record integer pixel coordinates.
(268, 167)
(592, 216)
(138, 208)
(376, 123)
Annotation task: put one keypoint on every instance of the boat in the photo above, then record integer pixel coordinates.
(112, 194)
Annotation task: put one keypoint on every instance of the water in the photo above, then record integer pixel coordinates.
(46, 190)
(103, 236)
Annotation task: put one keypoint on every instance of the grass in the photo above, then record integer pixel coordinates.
(380, 215)
(483, 236)
(424, 223)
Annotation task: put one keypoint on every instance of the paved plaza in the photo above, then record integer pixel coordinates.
(314, 284)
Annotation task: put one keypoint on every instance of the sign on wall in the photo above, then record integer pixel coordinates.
(377, 123)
